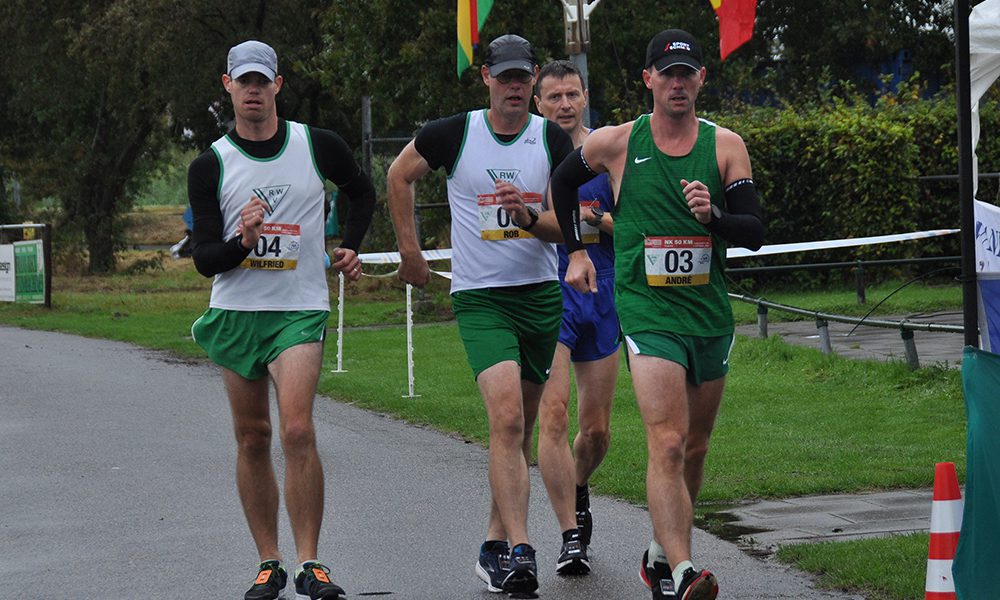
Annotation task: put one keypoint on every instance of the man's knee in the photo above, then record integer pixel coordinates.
(507, 428)
(254, 438)
(553, 417)
(297, 435)
(667, 447)
(595, 435)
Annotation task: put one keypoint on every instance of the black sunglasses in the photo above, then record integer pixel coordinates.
(514, 75)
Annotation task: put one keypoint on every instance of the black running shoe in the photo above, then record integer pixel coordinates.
(493, 564)
(657, 578)
(522, 578)
(271, 579)
(313, 583)
(585, 523)
(573, 559)
(697, 585)
(584, 520)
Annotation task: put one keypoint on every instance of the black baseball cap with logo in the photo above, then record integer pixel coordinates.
(673, 47)
(510, 52)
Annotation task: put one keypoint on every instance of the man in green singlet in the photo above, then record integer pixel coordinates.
(683, 192)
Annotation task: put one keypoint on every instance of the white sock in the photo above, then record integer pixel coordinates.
(656, 554)
(679, 570)
(302, 565)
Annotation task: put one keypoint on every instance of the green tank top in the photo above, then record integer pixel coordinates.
(669, 269)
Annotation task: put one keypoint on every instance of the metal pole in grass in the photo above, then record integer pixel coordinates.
(824, 336)
(340, 325)
(409, 341)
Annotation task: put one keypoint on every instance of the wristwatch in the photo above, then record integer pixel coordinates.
(533, 215)
(598, 217)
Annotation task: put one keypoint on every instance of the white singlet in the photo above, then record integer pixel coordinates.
(285, 271)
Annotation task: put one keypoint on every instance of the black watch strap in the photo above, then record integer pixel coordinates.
(534, 219)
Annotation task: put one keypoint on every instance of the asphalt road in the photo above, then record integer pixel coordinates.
(116, 482)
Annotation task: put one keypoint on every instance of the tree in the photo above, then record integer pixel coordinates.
(93, 93)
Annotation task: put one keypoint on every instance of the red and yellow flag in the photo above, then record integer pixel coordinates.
(735, 23)
(471, 16)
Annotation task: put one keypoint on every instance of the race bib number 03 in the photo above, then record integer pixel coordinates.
(494, 222)
(588, 233)
(674, 261)
(276, 250)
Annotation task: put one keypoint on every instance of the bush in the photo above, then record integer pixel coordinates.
(845, 168)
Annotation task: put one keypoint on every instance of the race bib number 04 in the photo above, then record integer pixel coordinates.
(588, 233)
(676, 261)
(276, 250)
(494, 222)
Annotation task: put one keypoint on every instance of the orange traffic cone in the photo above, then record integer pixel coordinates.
(946, 522)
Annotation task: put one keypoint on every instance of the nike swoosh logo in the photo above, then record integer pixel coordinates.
(639, 161)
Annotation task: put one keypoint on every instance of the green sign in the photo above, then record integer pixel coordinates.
(29, 272)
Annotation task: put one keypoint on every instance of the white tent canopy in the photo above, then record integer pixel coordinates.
(984, 64)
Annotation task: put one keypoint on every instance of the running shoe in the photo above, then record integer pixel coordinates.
(657, 578)
(697, 585)
(573, 559)
(584, 519)
(271, 579)
(522, 578)
(312, 582)
(585, 523)
(493, 564)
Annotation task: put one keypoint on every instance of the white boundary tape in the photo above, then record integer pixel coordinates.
(844, 243)
(393, 258)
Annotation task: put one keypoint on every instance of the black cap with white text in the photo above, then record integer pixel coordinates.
(673, 47)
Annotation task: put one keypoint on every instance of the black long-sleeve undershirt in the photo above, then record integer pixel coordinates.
(213, 254)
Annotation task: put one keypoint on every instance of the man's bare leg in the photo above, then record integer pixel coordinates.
(531, 393)
(296, 375)
(255, 481)
(563, 470)
(661, 393)
(508, 469)
(555, 461)
(595, 386)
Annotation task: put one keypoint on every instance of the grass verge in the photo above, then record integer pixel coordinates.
(889, 568)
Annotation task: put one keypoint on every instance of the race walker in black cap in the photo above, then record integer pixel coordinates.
(504, 289)
(259, 206)
(684, 192)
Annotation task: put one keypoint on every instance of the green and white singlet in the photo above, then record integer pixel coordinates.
(669, 269)
(488, 249)
(285, 271)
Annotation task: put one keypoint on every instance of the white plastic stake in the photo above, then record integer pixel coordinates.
(340, 326)
(409, 341)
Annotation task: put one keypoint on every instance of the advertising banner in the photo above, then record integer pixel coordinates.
(29, 272)
(6, 273)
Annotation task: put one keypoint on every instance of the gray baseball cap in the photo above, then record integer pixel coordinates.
(510, 52)
(253, 56)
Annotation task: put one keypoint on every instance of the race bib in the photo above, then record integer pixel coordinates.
(674, 261)
(276, 250)
(494, 222)
(588, 233)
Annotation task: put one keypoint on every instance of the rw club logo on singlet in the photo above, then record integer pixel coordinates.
(272, 194)
(507, 175)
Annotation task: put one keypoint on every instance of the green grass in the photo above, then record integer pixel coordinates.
(911, 299)
(889, 568)
(793, 421)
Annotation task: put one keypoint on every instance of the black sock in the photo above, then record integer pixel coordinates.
(571, 534)
(582, 497)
